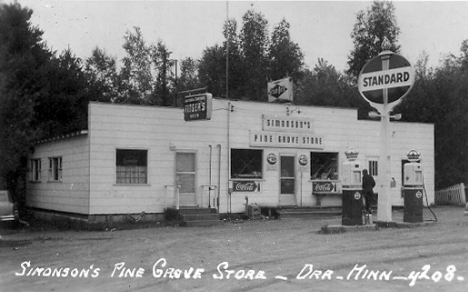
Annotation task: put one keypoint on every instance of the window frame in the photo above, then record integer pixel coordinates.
(35, 170)
(55, 169)
(120, 175)
(373, 167)
(336, 174)
(258, 168)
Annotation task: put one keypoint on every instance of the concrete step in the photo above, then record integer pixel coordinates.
(302, 212)
(203, 223)
(199, 217)
(197, 211)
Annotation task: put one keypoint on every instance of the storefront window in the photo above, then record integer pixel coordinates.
(132, 166)
(323, 166)
(246, 163)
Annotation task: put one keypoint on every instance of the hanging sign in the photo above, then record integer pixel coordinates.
(198, 107)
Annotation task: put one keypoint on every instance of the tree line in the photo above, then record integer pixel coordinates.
(44, 93)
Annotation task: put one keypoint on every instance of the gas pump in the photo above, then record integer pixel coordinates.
(352, 189)
(413, 188)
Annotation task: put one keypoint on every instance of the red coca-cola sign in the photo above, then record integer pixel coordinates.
(323, 187)
(245, 186)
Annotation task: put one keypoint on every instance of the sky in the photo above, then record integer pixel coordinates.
(322, 29)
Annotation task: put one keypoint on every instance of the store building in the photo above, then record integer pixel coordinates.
(135, 159)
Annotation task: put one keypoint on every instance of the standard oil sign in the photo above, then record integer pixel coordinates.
(198, 107)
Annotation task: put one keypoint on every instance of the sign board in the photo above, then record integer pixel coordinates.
(198, 107)
(245, 186)
(280, 90)
(284, 139)
(388, 71)
(324, 187)
(287, 124)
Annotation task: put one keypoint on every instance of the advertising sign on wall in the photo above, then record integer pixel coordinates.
(198, 107)
(245, 186)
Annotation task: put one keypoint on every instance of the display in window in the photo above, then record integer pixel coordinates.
(132, 166)
(246, 163)
(324, 166)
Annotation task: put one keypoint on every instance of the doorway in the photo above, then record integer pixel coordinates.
(287, 180)
(185, 178)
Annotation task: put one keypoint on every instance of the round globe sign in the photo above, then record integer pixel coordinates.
(387, 74)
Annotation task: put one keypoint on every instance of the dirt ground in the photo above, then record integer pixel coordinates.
(265, 255)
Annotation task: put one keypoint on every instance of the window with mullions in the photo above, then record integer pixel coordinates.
(132, 166)
(35, 170)
(55, 168)
(246, 163)
(323, 166)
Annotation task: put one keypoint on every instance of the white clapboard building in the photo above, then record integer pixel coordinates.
(135, 159)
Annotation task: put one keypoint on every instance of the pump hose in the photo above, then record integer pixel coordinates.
(427, 203)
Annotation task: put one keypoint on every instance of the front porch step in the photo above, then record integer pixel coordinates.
(194, 216)
(305, 212)
(200, 217)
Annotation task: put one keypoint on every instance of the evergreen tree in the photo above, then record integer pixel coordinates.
(370, 30)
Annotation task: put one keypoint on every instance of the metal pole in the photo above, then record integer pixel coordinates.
(384, 205)
(227, 50)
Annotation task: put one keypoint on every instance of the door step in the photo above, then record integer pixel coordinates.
(194, 216)
(308, 212)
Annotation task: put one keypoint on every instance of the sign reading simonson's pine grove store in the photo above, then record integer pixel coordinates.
(286, 132)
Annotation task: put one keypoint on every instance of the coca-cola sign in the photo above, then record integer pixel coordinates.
(245, 186)
(323, 187)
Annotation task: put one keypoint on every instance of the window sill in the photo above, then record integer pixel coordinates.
(35, 181)
(54, 181)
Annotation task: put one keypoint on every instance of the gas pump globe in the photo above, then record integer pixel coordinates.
(413, 188)
(352, 189)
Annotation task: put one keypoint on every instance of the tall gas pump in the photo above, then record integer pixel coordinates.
(413, 188)
(352, 189)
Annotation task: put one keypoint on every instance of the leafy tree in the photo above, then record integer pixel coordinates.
(370, 30)
(103, 77)
(189, 78)
(41, 95)
(254, 42)
(163, 64)
(286, 58)
(325, 86)
(136, 73)
(211, 71)
(23, 59)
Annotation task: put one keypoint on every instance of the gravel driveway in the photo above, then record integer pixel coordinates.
(265, 255)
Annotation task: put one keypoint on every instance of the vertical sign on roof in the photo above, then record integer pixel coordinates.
(198, 107)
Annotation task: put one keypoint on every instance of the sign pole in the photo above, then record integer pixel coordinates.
(383, 82)
(384, 205)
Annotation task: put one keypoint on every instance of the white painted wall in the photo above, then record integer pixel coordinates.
(162, 131)
(72, 193)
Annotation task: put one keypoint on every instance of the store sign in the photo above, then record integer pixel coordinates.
(245, 186)
(198, 107)
(386, 79)
(280, 90)
(287, 124)
(282, 139)
(324, 187)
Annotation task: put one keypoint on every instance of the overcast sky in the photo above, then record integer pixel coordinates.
(322, 29)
